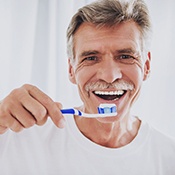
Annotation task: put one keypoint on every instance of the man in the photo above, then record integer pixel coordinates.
(109, 58)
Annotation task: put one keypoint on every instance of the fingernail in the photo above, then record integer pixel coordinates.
(62, 123)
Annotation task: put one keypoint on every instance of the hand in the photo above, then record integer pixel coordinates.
(27, 106)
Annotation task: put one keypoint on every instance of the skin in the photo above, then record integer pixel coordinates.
(97, 53)
(27, 106)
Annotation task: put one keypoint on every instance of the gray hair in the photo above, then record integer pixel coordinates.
(109, 13)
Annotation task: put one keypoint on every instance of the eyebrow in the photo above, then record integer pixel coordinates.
(89, 52)
(120, 51)
(126, 50)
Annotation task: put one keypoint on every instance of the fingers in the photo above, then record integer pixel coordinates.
(7, 121)
(62, 121)
(27, 106)
(13, 111)
(3, 129)
(53, 108)
(33, 111)
(23, 116)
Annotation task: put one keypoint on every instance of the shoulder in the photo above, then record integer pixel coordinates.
(160, 141)
(159, 135)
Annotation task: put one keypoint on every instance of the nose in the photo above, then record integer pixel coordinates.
(109, 71)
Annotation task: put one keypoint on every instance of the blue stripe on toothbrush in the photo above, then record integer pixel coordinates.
(68, 111)
(71, 111)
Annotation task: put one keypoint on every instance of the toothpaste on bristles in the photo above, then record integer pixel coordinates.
(107, 108)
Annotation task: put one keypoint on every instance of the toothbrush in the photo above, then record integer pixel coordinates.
(104, 110)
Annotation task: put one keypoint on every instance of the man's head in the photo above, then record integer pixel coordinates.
(108, 57)
(109, 13)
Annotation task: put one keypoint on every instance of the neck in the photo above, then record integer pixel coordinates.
(113, 135)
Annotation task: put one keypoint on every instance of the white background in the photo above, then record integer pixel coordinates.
(33, 50)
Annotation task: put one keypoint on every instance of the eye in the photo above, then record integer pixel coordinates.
(91, 58)
(126, 59)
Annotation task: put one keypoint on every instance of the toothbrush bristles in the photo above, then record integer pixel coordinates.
(107, 108)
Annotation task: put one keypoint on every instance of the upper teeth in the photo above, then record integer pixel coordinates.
(119, 92)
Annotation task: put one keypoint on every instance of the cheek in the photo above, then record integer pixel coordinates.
(83, 75)
(137, 71)
(137, 78)
(135, 75)
(134, 71)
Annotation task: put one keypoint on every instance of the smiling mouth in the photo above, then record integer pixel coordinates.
(110, 95)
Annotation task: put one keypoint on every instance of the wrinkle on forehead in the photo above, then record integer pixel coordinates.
(89, 37)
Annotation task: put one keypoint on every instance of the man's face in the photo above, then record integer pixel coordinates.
(109, 66)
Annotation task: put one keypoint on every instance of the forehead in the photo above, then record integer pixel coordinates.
(124, 35)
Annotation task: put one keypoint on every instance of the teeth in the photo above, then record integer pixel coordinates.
(119, 92)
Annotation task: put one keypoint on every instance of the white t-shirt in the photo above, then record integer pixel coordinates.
(48, 150)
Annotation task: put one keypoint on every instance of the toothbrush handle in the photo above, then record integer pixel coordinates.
(68, 111)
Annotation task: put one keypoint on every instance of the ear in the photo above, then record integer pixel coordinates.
(147, 66)
(71, 72)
